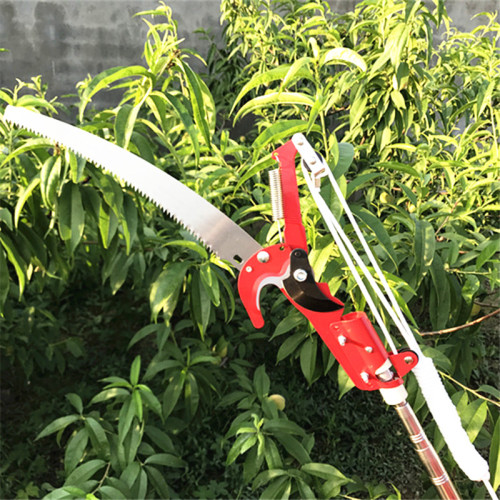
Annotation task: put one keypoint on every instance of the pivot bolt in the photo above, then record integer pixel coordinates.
(263, 257)
(300, 275)
(365, 377)
(369, 349)
(408, 360)
(342, 339)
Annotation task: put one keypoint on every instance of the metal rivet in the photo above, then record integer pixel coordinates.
(263, 257)
(300, 275)
(365, 377)
(342, 340)
(369, 349)
(408, 360)
(248, 269)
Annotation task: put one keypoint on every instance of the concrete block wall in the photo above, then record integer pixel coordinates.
(65, 40)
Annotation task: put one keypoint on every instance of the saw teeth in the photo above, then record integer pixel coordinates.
(230, 241)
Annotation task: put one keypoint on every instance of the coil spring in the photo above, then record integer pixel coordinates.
(276, 194)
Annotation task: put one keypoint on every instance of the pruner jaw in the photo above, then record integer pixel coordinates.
(270, 266)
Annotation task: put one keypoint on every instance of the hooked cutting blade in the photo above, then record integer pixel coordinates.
(217, 231)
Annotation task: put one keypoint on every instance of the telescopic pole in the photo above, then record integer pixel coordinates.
(426, 452)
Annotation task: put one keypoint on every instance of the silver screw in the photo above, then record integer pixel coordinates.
(300, 275)
(365, 377)
(248, 269)
(263, 257)
(408, 360)
(342, 340)
(369, 349)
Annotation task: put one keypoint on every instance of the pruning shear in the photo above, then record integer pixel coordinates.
(350, 337)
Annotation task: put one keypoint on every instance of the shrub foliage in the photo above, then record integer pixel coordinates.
(169, 391)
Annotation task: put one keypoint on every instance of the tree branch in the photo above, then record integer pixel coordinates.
(461, 327)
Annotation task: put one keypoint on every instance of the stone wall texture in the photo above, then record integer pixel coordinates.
(65, 40)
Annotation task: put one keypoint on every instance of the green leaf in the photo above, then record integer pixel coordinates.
(166, 459)
(194, 84)
(424, 246)
(158, 482)
(184, 115)
(157, 366)
(76, 401)
(398, 99)
(252, 464)
(473, 418)
(293, 447)
(114, 392)
(345, 383)
(308, 358)
(324, 471)
(143, 333)
(84, 472)
(261, 382)
(129, 222)
(29, 145)
(272, 99)
(299, 68)
(283, 426)
(57, 425)
(124, 124)
(173, 392)
(495, 456)
(75, 449)
(268, 475)
(125, 418)
(165, 289)
(344, 55)
(130, 475)
(279, 131)
(346, 156)
(290, 345)
(71, 216)
(150, 399)
(4, 280)
(190, 245)
(241, 445)
(15, 259)
(191, 396)
(135, 370)
(200, 303)
(374, 224)
(137, 399)
(23, 197)
(50, 176)
(267, 77)
(97, 437)
(106, 78)
(111, 493)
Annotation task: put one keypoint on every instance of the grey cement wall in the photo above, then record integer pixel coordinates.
(65, 40)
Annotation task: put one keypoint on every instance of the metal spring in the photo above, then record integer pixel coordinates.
(276, 194)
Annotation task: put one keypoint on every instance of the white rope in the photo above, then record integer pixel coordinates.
(431, 385)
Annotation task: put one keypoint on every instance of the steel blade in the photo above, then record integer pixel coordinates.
(217, 231)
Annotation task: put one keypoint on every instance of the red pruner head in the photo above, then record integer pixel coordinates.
(269, 266)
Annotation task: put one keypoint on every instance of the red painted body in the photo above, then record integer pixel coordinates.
(351, 337)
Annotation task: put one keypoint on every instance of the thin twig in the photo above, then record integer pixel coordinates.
(469, 389)
(461, 327)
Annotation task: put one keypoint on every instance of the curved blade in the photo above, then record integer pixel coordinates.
(223, 236)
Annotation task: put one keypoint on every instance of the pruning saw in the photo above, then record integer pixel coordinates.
(351, 337)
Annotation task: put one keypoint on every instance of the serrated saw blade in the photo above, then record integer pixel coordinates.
(217, 231)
